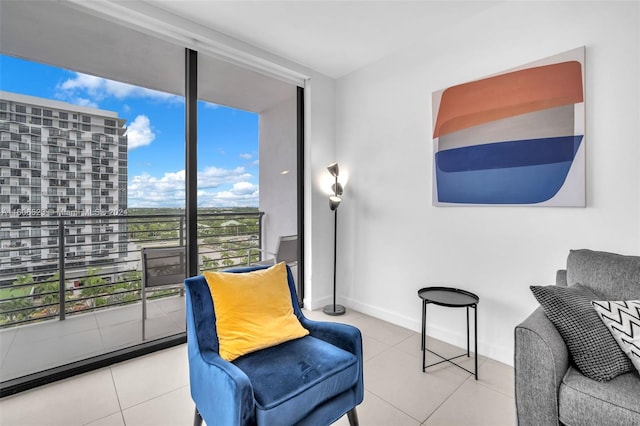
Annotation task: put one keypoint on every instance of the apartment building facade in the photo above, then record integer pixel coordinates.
(60, 161)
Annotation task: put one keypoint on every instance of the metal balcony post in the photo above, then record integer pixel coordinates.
(61, 295)
(181, 232)
(260, 231)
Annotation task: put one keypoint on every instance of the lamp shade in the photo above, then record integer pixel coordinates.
(334, 169)
(334, 202)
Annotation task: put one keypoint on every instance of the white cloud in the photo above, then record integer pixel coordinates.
(246, 156)
(83, 86)
(242, 194)
(213, 177)
(84, 102)
(169, 190)
(139, 132)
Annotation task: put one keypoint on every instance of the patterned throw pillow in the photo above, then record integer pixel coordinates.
(623, 321)
(592, 347)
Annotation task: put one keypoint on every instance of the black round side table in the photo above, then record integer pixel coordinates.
(453, 298)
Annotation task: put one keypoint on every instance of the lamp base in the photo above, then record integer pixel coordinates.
(334, 310)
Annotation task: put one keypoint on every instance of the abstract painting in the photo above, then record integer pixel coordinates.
(516, 138)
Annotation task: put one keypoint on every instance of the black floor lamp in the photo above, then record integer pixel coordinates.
(334, 202)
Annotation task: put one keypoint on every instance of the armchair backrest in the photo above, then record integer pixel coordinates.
(201, 317)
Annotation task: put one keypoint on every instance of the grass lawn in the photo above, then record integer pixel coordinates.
(10, 292)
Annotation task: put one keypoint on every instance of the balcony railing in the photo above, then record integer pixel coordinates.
(52, 267)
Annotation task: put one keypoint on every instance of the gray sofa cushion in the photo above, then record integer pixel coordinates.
(586, 402)
(593, 348)
(614, 276)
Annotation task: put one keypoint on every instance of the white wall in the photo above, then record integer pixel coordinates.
(320, 144)
(278, 153)
(393, 241)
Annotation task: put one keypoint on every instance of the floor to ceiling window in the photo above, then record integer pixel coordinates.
(92, 161)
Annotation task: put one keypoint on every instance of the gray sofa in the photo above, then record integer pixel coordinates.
(549, 390)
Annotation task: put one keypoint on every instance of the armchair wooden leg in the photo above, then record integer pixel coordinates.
(197, 418)
(352, 415)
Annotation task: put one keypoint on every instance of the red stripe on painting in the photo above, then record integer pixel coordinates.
(507, 95)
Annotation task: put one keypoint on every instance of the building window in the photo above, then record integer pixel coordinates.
(36, 111)
(47, 122)
(21, 118)
(21, 108)
(63, 124)
(36, 120)
(47, 113)
(86, 119)
(86, 127)
(63, 115)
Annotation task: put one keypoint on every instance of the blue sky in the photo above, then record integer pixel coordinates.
(227, 137)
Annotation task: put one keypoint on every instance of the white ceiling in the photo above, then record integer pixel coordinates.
(334, 38)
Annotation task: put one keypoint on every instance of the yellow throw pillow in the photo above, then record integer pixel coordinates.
(253, 310)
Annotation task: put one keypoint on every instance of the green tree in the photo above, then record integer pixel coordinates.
(48, 293)
(208, 263)
(92, 286)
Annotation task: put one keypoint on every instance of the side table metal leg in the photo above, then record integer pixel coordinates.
(424, 334)
(475, 336)
(467, 332)
(424, 319)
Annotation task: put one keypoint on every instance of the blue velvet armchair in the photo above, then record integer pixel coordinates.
(313, 380)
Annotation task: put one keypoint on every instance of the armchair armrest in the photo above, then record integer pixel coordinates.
(220, 389)
(541, 361)
(344, 336)
(561, 277)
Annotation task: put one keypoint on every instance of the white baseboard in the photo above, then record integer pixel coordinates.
(453, 337)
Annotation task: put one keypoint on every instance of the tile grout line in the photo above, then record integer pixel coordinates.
(115, 387)
(453, 392)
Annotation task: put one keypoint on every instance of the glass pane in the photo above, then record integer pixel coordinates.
(228, 182)
(247, 164)
(92, 171)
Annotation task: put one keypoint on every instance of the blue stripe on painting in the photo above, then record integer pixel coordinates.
(515, 185)
(500, 155)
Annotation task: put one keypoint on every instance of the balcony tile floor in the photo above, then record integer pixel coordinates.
(154, 389)
(35, 347)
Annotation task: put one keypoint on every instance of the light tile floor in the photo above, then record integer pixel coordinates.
(154, 389)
